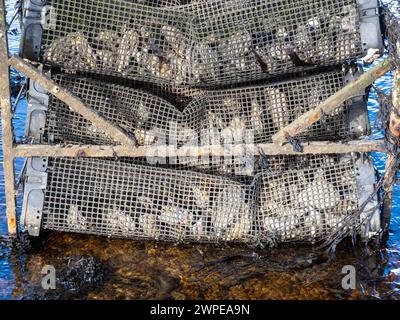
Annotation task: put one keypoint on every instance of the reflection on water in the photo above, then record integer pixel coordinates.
(99, 268)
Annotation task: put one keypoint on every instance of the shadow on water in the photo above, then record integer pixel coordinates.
(99, 268)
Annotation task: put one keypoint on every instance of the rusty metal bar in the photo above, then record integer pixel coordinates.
(352, 89)
(323, 147)
(72, 101)
(7, 128)
(391, 162)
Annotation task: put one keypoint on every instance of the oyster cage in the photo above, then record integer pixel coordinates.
(202, 43)
(166, 73)
(262, 109)
(113, 198)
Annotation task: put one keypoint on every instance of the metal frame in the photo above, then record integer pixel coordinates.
(33, 199)
(358, 119)
(370, 29)
(127, 148)
(36, 114)
(6, 122)
(365, 186)
(32, 29)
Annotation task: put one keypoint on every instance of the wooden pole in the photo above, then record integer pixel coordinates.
(73, 102)
(352, 89)
(391, 162)
(7, 129)
(323, 147)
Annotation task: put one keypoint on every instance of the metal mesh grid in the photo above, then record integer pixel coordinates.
(113, 198)
(263, 109)
(268, 108)
(204, 43)
(307, 204)
(179, 96)
(143, 115)
(245, 169)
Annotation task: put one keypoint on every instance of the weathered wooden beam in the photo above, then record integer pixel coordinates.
(391, 162)
(73, 102)
(7, 129)
(352, 89)
(323, 147)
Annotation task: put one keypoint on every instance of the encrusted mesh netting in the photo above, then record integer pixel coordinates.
(263, 109)
(203, 43)
(113, 198)
(392, 23)
(179, 96)
(242, 115)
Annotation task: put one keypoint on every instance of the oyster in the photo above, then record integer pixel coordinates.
(278, 105)
(199, 229)
(201, 196)
(319, 194)
(176, 40)
(148, 225)
(144, 137)
(256, 117)
(75, 219)
(283, 222)
(242, 226)
(127, 49)
(117, 220)
(227, 207)
(178, 220)
(72, 51)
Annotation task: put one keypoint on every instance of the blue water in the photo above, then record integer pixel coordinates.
(6, 275)
(391, 253)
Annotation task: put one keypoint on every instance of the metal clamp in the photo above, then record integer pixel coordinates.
(34, 185)
(38, 102)
(357, 111)
(366, 182)
(36, 17)
(370, 27)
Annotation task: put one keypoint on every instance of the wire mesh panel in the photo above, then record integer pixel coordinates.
(113, 198)
(260, 110)
(203, 43)
(308, 204)
(141, 114)
(266, 109)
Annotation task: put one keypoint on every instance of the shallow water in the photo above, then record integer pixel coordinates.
(98, 268)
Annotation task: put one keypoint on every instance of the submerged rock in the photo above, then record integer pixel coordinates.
(82, 273)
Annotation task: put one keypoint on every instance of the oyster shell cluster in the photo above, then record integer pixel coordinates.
(199, 54)
(218, 213)
(301, 207)
(304, 208)
(295, 205)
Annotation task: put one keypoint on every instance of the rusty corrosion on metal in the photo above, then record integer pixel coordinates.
(6, 122)
(352, 89)
(394, 122)
(391, 162)
(322, 147)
